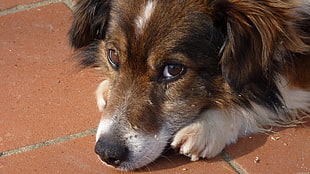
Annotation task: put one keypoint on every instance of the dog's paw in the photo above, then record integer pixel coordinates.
(194, 142)
(206, 137)
(185, 141)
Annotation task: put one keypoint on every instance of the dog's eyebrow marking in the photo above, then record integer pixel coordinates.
(145, 15)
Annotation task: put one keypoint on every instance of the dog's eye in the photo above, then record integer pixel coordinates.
(172, 71)
(113, 58)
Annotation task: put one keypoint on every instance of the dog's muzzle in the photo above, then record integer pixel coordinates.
(111, 150)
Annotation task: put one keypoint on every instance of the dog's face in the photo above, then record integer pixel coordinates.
(163, 69)
(161, 75)
(164, 66)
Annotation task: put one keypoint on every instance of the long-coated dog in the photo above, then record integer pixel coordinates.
(195, 74)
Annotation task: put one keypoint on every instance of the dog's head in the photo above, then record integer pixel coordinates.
(166, 62)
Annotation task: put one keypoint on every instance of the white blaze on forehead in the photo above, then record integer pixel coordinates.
(145, 15)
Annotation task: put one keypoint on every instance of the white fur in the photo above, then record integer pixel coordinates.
(145, 15)
(105, 126)
(144, 148)
(207, 136)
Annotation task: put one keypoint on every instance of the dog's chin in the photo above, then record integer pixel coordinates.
(142, 149)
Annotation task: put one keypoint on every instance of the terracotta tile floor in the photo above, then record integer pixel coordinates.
(49, 115)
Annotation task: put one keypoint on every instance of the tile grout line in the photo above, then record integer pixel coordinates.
(237, 167)
(24, 7)
(48, 143)
(70, 4)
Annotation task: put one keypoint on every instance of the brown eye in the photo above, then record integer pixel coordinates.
(113, 58)
(172, 71)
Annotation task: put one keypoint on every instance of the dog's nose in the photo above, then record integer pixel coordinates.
(111, 151)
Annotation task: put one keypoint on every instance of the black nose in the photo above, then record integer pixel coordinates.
(111, 150)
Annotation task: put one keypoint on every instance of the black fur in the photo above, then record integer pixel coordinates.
(91, 19)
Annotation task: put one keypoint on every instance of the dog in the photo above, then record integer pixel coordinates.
(192, 74)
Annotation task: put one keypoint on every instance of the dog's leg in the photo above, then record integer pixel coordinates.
(207, 136)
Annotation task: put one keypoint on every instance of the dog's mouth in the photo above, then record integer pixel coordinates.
(130, 151)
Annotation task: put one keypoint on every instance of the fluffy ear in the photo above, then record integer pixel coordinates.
(90, 22)
(255, 31)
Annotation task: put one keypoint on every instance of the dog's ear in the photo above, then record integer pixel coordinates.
(253, 29)
(90, 22)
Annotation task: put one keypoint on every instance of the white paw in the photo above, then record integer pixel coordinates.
(194, 142)
(206, 137)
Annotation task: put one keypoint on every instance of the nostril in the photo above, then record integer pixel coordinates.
(112, 152)
(113, 161)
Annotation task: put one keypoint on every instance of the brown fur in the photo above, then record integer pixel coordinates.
(298, 73)
(254, 39)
